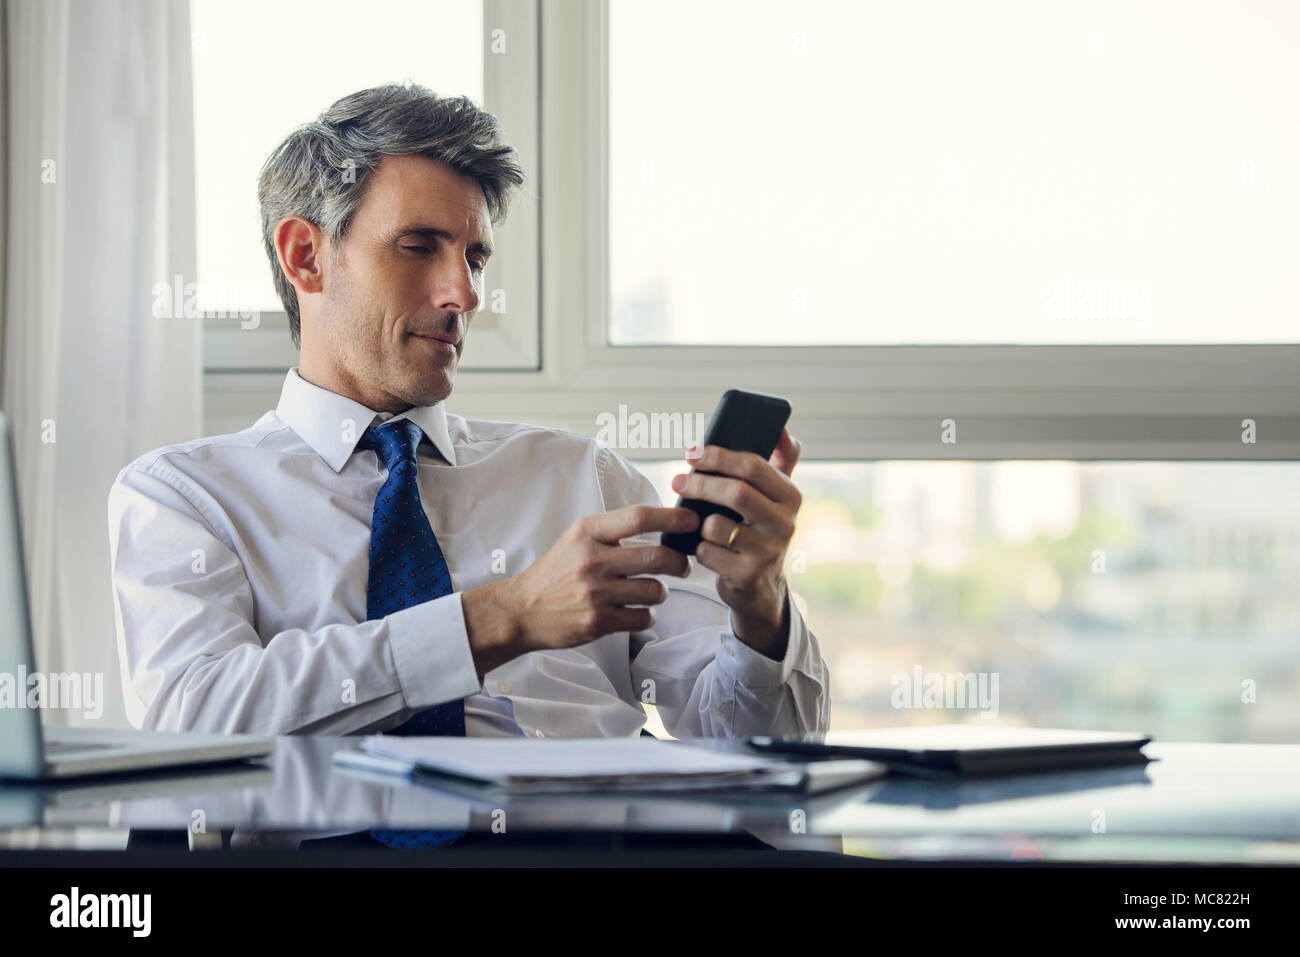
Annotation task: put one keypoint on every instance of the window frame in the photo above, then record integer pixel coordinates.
(1085, 402)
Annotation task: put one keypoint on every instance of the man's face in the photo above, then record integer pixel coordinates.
(403, 284)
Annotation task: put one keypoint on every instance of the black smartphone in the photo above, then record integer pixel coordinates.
(743, 422)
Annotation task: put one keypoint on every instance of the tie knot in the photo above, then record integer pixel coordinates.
(395, 441)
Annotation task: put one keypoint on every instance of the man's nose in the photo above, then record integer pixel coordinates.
(457, 290)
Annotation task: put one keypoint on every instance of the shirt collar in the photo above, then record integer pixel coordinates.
(321, 418)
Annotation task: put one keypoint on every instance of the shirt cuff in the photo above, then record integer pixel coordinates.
(430, 647)
(753, 669)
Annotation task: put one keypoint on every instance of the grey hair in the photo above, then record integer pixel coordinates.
(321, 169)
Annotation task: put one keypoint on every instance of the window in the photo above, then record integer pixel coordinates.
(1072, 245)
(261, 69)
(242, 114)
(1030, 311)
(1138, 596)
(995, 297)
(836, 172)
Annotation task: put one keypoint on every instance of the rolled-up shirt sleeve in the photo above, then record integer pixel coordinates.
(193, 660)
(703, 680)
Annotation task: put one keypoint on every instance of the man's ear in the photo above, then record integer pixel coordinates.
(300, 247)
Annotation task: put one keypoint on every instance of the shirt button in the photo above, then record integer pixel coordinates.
(538, 733)
(504, 688)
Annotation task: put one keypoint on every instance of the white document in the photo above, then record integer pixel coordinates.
(575, 763)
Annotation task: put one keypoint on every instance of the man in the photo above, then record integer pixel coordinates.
(363, 560)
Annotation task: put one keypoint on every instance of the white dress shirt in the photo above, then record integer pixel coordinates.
(240, 565)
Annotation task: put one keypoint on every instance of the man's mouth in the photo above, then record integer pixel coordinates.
(443, 345)
(438, 337)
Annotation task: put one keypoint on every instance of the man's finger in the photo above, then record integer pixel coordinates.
(786, 453)
(748, 467)
(646, 560)
(610, 527)
(633, 591)
(738, 495)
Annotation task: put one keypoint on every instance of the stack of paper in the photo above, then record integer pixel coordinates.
(579, 764)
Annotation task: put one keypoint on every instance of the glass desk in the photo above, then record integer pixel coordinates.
(1192, 804)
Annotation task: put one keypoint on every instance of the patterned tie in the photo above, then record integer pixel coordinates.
(407, 568)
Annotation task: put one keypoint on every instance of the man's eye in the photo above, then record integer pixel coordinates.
(478, 266)
(418, 249)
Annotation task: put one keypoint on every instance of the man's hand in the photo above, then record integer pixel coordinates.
(750, 566)
(578, 591)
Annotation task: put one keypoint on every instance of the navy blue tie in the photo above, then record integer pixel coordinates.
(407, 568)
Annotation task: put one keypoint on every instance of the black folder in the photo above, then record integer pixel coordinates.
(970, 749)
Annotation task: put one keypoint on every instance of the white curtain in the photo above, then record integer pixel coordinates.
(100, 165)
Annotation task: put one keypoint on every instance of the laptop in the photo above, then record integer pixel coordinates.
(31, 752)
